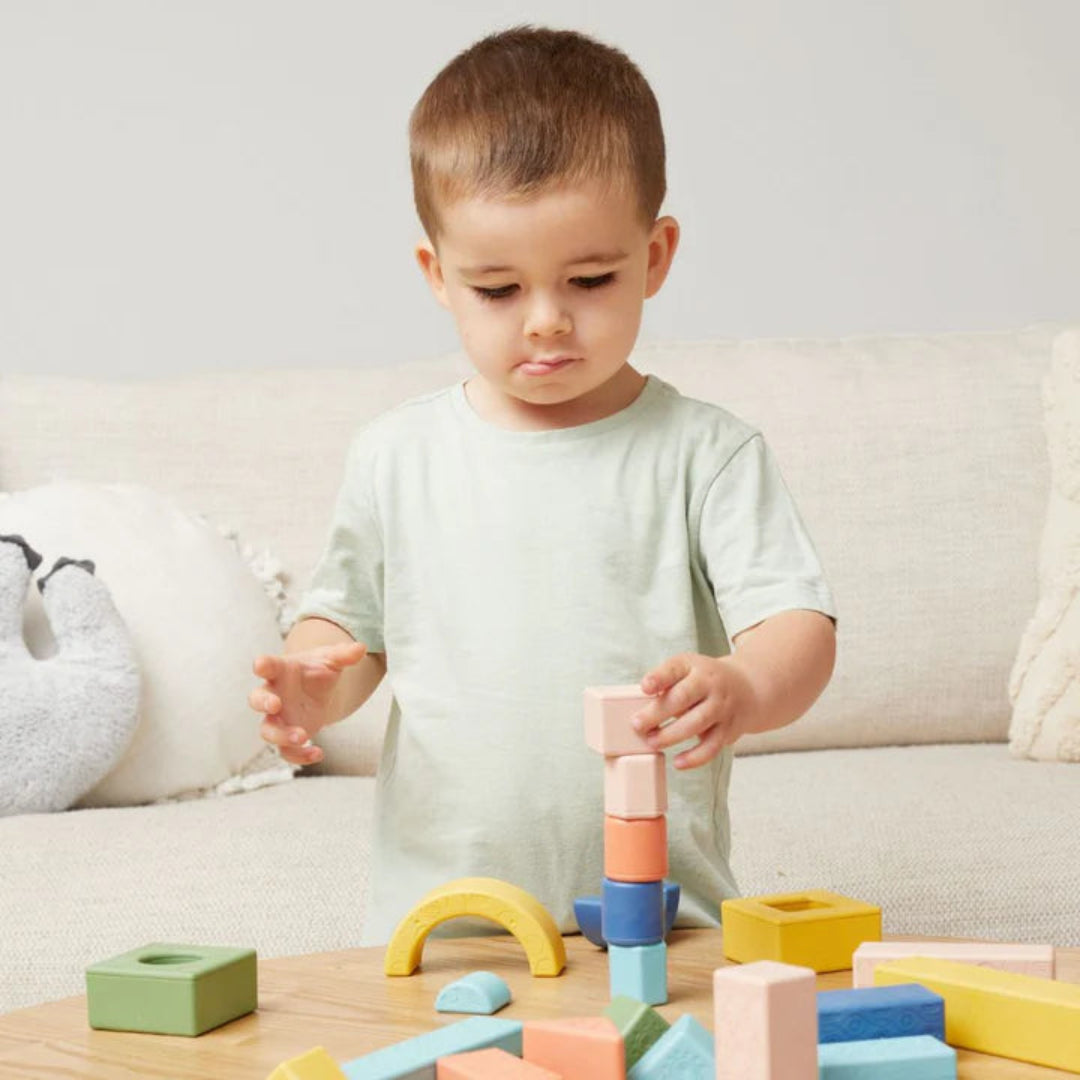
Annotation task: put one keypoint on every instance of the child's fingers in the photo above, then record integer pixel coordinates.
(666, 674)
(262, 700)
(267, 667)
(343, 656)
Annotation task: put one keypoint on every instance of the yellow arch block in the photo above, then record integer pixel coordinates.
(486, 898)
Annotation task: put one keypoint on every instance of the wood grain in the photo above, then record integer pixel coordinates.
(342, 1000)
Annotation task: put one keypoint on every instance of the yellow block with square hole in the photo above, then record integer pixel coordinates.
(998, 1012)
(815, 929)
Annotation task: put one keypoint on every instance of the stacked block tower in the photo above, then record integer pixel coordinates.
(632, 903)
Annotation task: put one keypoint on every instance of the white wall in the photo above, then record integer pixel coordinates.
(224, 183)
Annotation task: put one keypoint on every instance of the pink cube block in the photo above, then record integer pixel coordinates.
(1037, 960)
(608, 712)
(635, 786)
(765, 1022)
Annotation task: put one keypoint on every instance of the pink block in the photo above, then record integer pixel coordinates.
(1035, 960)
(608, 712)
(765, 1022)
(576, 1048)
(635, 786)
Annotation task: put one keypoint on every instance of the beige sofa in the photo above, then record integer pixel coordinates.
(920, 466)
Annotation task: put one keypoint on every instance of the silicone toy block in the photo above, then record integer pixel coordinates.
(879, 1012)
(416, 1058)
(914, 1057)
(684, 1052)
(609, 711)
(765, 1022)
(490, 1064)
(999, 1012)
(478, 992)
(639, 1024)
(577, 1048)
(172, 989)
(635, 850)
(635, 785)
(316, 1064)
(632, 912)
(1023, 959)
(815, 929)
(639, 971)
(587, 913)
(488, 898)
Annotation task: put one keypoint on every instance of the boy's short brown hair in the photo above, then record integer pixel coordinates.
(529, 107)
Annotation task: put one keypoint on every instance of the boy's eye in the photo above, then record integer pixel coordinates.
(505, 290)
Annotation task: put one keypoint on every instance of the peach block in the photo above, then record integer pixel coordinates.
(490, 1064)
(765, 1022)
(1037, 960)
(608, 712)
(635, 785)
(576, 1048)
(635, 850)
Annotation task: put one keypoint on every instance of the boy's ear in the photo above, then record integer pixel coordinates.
(432, 269)
(663, 241)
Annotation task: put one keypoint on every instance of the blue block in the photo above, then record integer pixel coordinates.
(639, 972)
(913, 1057)
(478, 992)
(416, 1057)
(880, 1012)
(632, 912)
(587, 913)
(684, 1052)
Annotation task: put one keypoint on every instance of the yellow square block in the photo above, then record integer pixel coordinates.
(998, 1012)
(815, 929)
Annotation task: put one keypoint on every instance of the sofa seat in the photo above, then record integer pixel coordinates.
(924, 831)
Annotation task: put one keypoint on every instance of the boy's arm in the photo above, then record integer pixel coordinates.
(356, 683)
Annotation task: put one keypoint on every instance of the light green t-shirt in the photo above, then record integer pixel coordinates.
(502, 572)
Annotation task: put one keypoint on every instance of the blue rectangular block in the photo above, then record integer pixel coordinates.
(632, 912)
(879, 1012)
(414, 1059)
(912, 1057)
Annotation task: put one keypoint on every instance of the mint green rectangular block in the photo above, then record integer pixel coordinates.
(171, 989)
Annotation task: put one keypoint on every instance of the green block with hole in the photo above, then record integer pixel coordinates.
(171, 989)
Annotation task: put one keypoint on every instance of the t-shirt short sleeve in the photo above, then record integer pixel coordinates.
(755, 550)
(347, 582)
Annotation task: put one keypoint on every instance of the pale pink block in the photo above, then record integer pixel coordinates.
(765, 1022)
(635, 786)
(1035, 960)
(608, 712)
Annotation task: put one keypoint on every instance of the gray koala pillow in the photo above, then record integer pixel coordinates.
(65, 721)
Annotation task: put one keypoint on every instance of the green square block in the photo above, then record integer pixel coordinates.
(171, 989)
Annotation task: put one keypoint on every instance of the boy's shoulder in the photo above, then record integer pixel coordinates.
(701, 421)
(401, 421)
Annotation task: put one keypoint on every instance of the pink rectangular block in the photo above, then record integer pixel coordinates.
(635, 786)
(1035, 960)
(608, 712)
(490, 1064)
(765, 1022)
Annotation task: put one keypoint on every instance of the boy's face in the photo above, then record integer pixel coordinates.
(550, 328)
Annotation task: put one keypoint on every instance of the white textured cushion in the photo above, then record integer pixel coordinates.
(1045, 683)
(197, 617)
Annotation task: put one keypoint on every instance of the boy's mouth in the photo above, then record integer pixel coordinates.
(546, 367)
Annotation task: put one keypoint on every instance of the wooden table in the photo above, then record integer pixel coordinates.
(342, 1000)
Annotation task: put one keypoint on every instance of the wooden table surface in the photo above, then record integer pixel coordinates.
(342, 1001)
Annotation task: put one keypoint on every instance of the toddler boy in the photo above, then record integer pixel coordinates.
(555, 521)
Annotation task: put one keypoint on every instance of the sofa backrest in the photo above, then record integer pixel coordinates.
(918, 462)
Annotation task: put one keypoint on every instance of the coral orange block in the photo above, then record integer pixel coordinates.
(635, 850)
(577, 1048)
(490, 1064)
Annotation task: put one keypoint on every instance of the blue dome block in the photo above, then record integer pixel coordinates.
(632, 912)
(587, 913)
(672, 892)
(481, 992)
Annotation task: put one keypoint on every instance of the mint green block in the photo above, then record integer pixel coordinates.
(684, 1052)
(171, 989)
(639, 1024)
(481, 992)
(907, 1057)
(639, 972)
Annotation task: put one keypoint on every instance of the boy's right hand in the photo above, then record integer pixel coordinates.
(296, 696)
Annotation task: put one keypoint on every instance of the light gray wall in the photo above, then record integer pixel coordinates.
(201, 184)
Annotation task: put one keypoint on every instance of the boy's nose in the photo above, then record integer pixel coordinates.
(547, 318)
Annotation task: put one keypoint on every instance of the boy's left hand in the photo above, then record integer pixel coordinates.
(710, 697)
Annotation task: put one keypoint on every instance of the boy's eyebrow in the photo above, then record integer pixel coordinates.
(594, 257)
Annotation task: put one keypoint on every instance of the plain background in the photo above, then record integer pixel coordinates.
(191, 184)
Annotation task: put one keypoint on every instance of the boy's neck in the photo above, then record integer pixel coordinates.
(506, 411)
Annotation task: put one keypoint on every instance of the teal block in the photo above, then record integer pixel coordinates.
(478, 992)
(171, 989)
(640, 1025)
(684, 1052)
(910, 1057)
(414, 1059)
(639, 971)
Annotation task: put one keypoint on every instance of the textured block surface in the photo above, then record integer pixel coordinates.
(577, 1048)
(684, 1052)
(765, 1022)
(172, 989)
(1035, 960)
(632, 912)
(490, 1064)
(639, 971)
(608, 714)
(639, 1025)
(915, 1057)
(481, 992)
(635, 849)
(635, 785)
(879, 1012)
